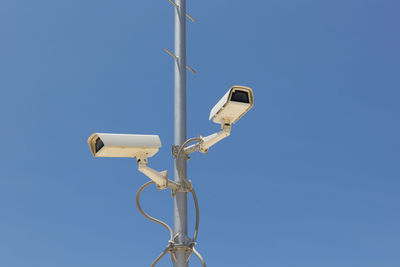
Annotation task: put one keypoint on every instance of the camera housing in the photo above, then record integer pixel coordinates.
(123, 145)
(229, 109)
(233, 105)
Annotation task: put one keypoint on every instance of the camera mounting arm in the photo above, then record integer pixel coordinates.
(159, 178)
(208, 141)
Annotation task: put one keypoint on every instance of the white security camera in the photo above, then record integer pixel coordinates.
(229, 109)
(136, 146)
(123, 145)
(233, 105)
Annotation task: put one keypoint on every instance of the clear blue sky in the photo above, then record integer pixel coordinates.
(309, 177)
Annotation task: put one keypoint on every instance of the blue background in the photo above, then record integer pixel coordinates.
(309, 177)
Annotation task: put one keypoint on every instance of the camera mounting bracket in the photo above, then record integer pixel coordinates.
(159, 178)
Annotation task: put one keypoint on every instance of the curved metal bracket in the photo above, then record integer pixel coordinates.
(160, 257)
(148, 216)
(199, 256)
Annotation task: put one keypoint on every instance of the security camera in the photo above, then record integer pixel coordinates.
(136, 146)
(229, 109)
(233, 105)
(123, 145)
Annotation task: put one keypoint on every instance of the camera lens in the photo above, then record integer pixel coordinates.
(240, 96)
(99, 144)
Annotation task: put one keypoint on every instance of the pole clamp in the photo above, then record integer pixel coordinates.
(182, 188)
(175, 150)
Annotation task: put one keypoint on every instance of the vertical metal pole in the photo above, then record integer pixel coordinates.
(180, 200)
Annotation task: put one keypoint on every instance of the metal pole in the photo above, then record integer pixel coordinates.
(180, 200)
